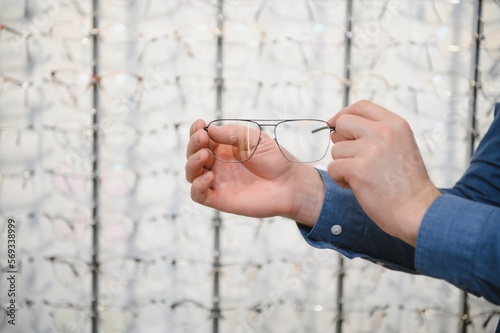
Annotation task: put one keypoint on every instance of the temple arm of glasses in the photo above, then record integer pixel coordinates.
(331, 129)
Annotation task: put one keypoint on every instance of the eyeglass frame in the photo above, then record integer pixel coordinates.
(266, 123)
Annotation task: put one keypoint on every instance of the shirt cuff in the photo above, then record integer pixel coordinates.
(335, 228)
(344, 227)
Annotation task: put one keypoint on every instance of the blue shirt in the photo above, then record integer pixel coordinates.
(459, 238)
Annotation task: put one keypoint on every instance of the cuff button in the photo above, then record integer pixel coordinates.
(336, 230)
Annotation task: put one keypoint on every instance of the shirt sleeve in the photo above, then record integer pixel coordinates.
(481, 181)
(459, 241)
(343, 226)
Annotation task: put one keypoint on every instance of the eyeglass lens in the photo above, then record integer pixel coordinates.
(299, 140)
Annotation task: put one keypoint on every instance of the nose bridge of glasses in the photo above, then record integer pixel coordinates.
(268, 126)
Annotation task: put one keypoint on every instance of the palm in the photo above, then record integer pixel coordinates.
(258, 182)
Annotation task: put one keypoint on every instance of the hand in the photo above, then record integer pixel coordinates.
(375, 154)
(266, 185)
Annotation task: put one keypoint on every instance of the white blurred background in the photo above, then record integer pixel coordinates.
(119, 212)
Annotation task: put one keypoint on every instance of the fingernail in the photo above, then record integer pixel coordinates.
(197, 156)
(196, 137)
(205, 177)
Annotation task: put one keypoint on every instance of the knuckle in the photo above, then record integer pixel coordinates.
(387, 133)
(362, 167)
(362, 103)
(373, 150)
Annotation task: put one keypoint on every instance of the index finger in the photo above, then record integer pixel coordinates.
(352, 127)
(196, 125)
(363, 109)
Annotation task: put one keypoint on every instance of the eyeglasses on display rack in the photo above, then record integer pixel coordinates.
(243, 42)
(372, 49)
(123, 40)
(318, 43)
(15, 11)
(147, 9)
(325, 88)
(237, 88)
(294, 316)
(157, 8)
(425, 319)
(119, 84)
(442, 44)
(12, 40)
(24, 175)
(21, 267)
(449, 87)
(115, 135)
(238, 279)
(117, 180)
(302, 9)
(70, 317)
(239, 234)
(17, 131)
(10, 86)
(491, 44)
(434, 12)
(191, 316)
(117, 273)
(299, 140)
(314, 41)
(363, 278)
(484, 321)
(5, 312)
(18, 218)
(115, 227)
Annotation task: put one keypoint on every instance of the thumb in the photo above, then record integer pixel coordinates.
(235, 133)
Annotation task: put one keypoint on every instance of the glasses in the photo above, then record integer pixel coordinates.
(371, 49)
(16, 39)
(147, 9)
(451, 88)
(18, 218)
(423, 319)
(22, 267)
(484, 321)
(116, 180)
(6, 311)
(16, 134)
(298, 10)
(15, 10)
(70, 317)
(25, 176)
(242, 45)
(11, 88)
(114, 272)
(116, 40)
(191, 316)
(115, 227)
(239, 89)
(124, 85)
(306, 140)
(434, 12)
(323, 89)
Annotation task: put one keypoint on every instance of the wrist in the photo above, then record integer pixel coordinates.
(411, 217)
(307, 196)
